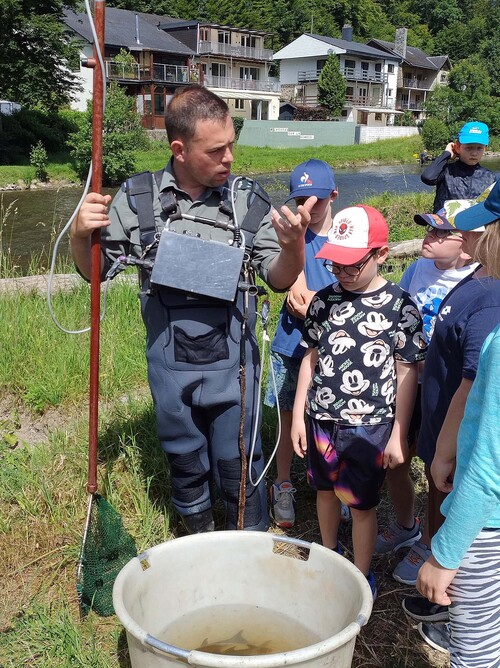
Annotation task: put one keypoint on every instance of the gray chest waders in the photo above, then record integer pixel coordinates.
(187, 263)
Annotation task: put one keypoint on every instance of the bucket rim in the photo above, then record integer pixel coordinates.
(209, 660)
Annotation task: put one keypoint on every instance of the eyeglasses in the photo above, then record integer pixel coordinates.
(348, 269)
(441, 234)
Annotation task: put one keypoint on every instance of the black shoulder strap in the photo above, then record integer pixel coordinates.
(259, 206)
(140, 200)
(140, 193)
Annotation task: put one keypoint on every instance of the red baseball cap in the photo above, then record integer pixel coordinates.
(355, 230)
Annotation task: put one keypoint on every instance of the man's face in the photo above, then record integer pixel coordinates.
(205, 160)
(470, 154)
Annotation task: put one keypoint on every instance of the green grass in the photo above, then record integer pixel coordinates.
(247, 159)
(46, 367)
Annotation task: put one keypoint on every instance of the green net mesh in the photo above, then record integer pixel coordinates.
(108, 547)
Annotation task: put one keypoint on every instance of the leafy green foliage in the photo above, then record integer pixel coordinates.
(122, 134)
(435, 135)
(34, 50)
(28, 126)
(38, 160)
(332, 86)
(238, 122)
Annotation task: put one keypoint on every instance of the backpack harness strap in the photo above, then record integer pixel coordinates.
(140, 196)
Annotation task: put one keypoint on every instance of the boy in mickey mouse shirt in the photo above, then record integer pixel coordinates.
(357, 381)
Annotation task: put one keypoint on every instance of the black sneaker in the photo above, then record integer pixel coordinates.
(436, 635)
(199, 522)
(419, 608)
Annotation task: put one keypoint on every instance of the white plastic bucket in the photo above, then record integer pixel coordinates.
(182, 577)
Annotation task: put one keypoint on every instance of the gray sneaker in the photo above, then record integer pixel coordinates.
(282, 510)
(407, 569)
(396, 537)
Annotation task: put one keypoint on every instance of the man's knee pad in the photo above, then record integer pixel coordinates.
(256, 517)
(189, 478)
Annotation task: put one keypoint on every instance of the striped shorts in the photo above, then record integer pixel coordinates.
(475, 608)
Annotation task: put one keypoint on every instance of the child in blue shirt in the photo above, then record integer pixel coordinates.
(464, 567)
(310, 178)
(428, 280)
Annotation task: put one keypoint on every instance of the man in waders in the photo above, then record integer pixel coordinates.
(198, 235)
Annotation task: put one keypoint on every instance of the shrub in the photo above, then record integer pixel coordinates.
(304, 113)
(122, 135)
(38, 160)
(435, 135)
(238, 125)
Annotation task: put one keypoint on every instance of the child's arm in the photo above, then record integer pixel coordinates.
(431, 174)
(299, 297)
(298, 431)
(396, 449)
(443, 464)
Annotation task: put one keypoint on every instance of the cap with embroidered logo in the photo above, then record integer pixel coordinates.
(355, 230)
(474, 133)
(312, 177)
(445, 217)
(486, 210)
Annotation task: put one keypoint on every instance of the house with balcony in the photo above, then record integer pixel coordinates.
(160, 63)
(234, 64)
(418, 75)
(370, 74)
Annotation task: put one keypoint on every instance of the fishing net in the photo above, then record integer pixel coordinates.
(107, 547)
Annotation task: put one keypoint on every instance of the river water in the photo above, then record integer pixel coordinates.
(36, 216)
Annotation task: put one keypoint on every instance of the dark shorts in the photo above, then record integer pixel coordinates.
(348, 460)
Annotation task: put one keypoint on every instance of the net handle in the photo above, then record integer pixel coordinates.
(95, 248)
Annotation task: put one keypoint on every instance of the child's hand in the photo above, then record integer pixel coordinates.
(298, 435)
(433, 580)
(451, 149)
(395, 452)
(442, 471)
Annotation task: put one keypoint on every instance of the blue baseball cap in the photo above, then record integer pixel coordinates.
(312, 177)
(474, 133)
(485, 211)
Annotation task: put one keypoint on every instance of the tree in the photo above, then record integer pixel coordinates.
(122, 134)
(35, 51)
(332, 86)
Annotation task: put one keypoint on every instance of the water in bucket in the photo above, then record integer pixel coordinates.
(238, 630)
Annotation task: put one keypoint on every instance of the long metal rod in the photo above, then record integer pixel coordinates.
(95, 275)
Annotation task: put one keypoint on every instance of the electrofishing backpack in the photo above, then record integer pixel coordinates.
(187, 262)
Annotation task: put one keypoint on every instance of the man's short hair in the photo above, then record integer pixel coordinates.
(189, 105)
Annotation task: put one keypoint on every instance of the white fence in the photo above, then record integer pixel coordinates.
(365, 134)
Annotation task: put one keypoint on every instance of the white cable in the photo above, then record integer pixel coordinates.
(85, 191)
(265, 339)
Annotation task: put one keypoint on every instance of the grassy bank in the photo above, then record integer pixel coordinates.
(247, 159)
(43, 468)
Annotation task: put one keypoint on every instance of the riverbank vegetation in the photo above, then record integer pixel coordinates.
(43, 468)
(248, 160)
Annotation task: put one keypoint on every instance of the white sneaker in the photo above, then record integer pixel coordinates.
(282, 498)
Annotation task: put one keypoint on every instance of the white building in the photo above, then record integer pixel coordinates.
(371, 76)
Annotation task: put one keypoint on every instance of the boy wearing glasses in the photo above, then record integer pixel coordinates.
(357, 381)
(428, 280)
(310, 178)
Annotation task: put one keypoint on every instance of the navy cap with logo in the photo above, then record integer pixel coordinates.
(312, 178)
